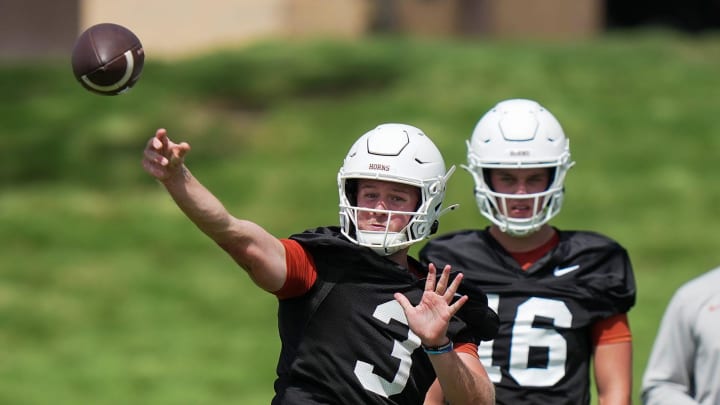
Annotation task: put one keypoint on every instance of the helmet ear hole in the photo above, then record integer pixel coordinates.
(420, 199)
(551, 176)
(434, 227)
(351, 188)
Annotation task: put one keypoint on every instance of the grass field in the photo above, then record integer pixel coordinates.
(109, 296)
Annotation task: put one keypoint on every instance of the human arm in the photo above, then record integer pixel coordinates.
(461, 378)
(613, 373)
(467, 376)
(669, 372)
(252, 247)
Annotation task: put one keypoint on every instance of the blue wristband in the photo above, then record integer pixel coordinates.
(446, 348)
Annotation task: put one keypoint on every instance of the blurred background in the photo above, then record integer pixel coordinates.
(171, 28)
(108, 295)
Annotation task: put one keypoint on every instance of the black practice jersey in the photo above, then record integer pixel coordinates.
(347, 341)
(542, 351)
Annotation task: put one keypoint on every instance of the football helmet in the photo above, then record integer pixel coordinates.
(396, 153)
(517, 134)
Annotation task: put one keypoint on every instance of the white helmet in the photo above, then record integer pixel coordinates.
(397, 153)
(518, 134)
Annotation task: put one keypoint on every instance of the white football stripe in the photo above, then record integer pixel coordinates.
(129, 66)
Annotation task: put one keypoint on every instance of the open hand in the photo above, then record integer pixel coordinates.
(431, 317)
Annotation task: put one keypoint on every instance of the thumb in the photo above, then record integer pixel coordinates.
(182, 150)
(177, 153)
(403, 301)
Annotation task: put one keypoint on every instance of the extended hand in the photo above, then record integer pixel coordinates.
(163, 158)
(431, 317)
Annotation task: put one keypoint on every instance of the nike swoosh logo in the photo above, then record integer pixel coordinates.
(565, 270)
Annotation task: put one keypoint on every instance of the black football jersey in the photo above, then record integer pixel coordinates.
(542, 351)
(347, 341)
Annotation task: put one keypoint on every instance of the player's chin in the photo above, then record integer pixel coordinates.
(372, 227)
(519, 213)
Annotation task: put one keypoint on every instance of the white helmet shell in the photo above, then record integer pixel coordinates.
(518, 134)
(397, 153)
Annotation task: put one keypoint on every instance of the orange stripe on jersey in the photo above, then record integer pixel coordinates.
(466, 347)
(301, 273)
(613, 329)
(526, 259)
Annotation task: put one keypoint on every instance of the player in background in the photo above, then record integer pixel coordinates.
(562, 296)
(357, 322)
(684, 365)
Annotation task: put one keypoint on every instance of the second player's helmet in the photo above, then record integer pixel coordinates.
(397, 153)
(517, 134)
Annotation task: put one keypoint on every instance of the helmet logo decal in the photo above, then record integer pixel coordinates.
(379, 166)
(519, 152)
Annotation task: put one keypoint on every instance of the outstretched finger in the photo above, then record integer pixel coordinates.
(450, 293)
(455, 307)
(443, 282)
(430, 280)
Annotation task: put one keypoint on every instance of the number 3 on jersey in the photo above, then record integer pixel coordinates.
(402, 351)
(524, 336)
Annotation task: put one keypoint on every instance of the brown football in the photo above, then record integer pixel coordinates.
(107, 59)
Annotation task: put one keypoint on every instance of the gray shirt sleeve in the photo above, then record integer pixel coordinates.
(685, 360)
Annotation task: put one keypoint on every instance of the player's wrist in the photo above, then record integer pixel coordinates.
(446, 347)
(178, 176)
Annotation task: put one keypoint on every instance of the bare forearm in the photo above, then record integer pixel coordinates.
(463, 382)
(253, 248)
(613, 373)
(199, 205)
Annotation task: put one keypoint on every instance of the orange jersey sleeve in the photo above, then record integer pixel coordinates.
(614, 329)
(469, 348)
(301, 273)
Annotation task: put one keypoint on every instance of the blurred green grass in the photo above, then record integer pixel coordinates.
(109, 296)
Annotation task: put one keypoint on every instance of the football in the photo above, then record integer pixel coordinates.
(107, 59)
